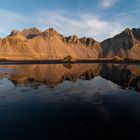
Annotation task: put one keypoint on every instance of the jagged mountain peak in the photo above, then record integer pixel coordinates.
(124, 34)
(34, 29)
(88, 41)
(125, 45)
(30, 32)
(132, 35)
(136, 33)
(50, 32)
(17, 35)
(127, 30)
(14, 32)
(72, 39)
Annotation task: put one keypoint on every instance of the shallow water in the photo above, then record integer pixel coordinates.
(75, 101)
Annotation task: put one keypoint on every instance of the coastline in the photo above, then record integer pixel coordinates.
(56, 61)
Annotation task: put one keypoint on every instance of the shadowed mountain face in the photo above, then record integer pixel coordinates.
(32, 44)
(125, 45)
(126, 76)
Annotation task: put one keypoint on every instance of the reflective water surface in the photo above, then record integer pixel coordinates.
(71, 101)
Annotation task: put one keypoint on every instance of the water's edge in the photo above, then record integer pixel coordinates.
(7, 62)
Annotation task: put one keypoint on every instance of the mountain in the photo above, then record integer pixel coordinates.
(124, 45)
(30, 33)
(32, 44)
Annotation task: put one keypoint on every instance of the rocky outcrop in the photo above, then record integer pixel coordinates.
(136, 33)
(32, 44)
(30, 33)
(125, 45)
(90, 42)
(72, 39)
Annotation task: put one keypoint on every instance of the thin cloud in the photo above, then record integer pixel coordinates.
(81, 24)
(84, 25)
(107, 3)
(9, 20)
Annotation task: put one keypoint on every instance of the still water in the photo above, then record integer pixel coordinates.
(75, 101)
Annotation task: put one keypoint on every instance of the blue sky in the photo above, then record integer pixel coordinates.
(99, 19)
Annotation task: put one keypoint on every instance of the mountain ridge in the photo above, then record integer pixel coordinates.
(125, 45)
(33, 44)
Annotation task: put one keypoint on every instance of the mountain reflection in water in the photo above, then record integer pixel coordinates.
(51, 75)
(71, 101)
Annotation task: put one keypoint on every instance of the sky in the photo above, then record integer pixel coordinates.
(99, 19)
